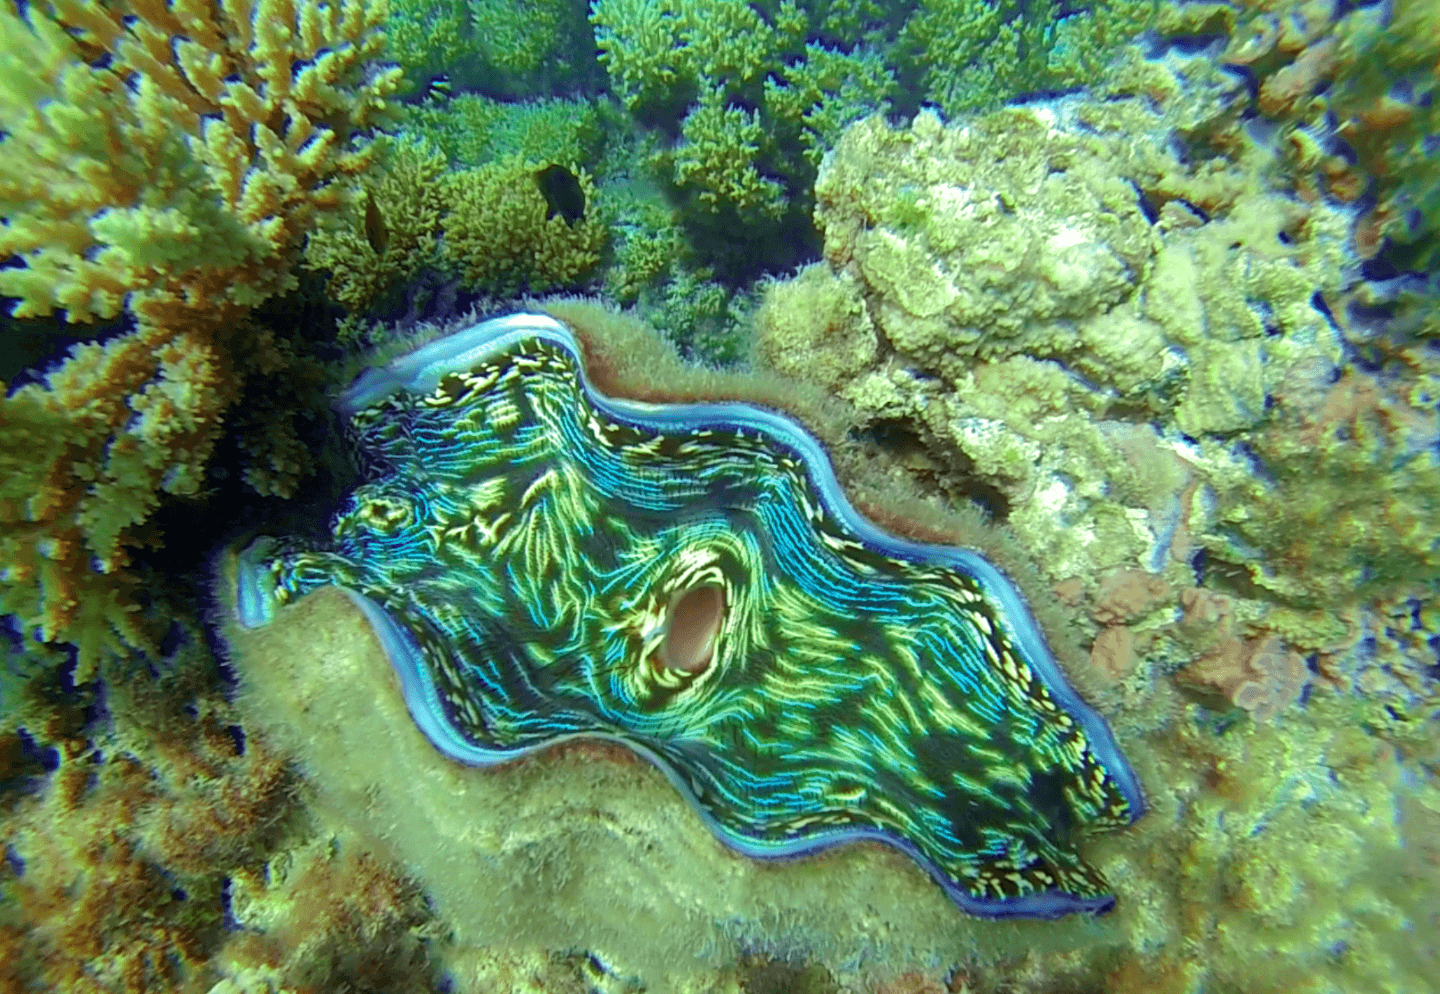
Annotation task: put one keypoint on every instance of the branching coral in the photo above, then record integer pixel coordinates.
(499, 46)
(756, 92)
(163, 162)
(654, 268)
(502, 235)
(472, 130)
(427, 37)
(973, 55)
(85, 458)
(184, 170)
(753, 106)
(405, 199)
(716, 159)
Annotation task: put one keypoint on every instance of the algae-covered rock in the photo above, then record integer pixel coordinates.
(1065, 275)
(1133, 349)
(989, 234)
(1031, 231)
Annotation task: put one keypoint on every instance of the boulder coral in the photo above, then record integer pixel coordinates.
(1023, 235)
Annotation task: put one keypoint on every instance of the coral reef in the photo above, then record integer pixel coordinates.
(1017, 238)
(1258, 675)
(974, 55)
(472, 130)
(745, 91)
(156, 842)
(229, 151)
(1353, 92)
(1281, 858)
(504, 49)
(1132, 359)
(427, 38)
(1180, 343)
(330, 914)
(1127, 328)
(755, 93)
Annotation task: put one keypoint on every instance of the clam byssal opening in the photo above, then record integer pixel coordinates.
(542, 561)
(692, 625)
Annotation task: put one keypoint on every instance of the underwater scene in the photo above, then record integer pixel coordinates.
(720, 497)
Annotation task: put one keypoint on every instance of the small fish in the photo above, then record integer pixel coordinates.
(437, 89)
(376, 233)
(564, 197)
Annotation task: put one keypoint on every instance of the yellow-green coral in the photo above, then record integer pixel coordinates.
(716, 158)
(426, 37)
(227, 154)
(1017, 234)
(507, 46)
(164, 161)
(973, 54)
(471, 129)
(649, 242)
(827, 92)
(407, 193)
(498, 236)
(516, 38)
(754, 98)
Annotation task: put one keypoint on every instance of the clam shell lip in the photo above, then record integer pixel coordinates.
(421, 371)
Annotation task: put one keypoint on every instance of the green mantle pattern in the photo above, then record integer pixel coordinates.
(543, 562)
